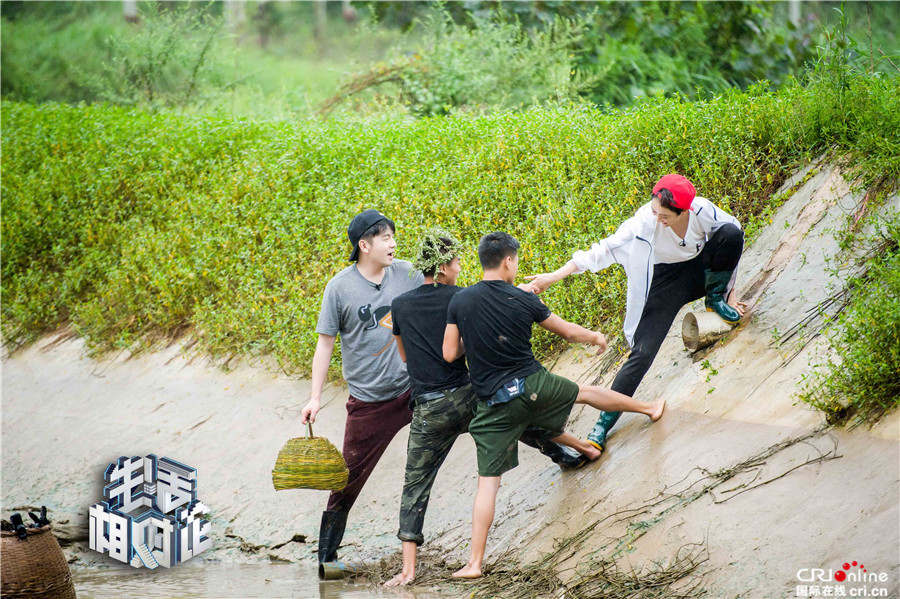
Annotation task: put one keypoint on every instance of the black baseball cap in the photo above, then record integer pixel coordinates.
(360, 224)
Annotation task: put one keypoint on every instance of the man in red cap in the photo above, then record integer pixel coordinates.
(677, 248)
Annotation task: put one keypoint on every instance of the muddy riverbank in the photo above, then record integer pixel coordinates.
(736, 466)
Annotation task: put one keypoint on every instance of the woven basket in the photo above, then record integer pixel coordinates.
(310, 463)
(35, 567)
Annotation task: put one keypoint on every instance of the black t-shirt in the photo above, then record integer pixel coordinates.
(420, 317)
(495, 321)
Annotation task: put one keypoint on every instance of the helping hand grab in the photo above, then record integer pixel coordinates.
(539, 283)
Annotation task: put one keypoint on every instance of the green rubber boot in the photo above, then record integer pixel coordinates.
(605, 422)
(716, 285)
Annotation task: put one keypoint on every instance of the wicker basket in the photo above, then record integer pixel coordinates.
(35, 567)
(309, 463)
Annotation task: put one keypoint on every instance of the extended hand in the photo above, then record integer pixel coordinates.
(540, 282)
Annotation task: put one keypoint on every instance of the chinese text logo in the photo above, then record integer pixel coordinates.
(151, 516)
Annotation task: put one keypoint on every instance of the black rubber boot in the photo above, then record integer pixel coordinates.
(331, 533)
(716, 301)
(565, 457)
(604, 423)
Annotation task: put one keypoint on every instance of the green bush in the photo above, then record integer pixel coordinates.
(510, 54)
(131, 225)
(493, 64)
(88, 53)
(860, 380)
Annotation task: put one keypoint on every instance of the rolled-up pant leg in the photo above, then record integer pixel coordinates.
(435, 427)
(369, 429)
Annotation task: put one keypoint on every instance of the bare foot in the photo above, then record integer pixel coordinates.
(401, 579)
(468, 571)
(658, 409)
(590, 451)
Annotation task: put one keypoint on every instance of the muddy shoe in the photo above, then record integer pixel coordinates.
(331, 533)
(607, 420)
(565, 457)
(716, 286)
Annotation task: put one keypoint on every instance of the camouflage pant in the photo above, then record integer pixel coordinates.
(435, 426)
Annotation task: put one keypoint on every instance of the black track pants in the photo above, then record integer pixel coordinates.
(673, 286)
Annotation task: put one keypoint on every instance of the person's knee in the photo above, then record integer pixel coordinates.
(730, 234)
(586, 392)
(641, 358)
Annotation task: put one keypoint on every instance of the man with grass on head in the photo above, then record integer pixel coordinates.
(442, 398)
(494, 319)
(357, 305)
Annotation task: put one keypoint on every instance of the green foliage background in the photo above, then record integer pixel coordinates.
(858, 380)
(131, 224)
(203, 198)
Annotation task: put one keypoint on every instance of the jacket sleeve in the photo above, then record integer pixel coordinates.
(712, 217)
(612, 250)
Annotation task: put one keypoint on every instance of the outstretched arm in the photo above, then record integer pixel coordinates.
(540, 282)
(602, 254)
(573, 332)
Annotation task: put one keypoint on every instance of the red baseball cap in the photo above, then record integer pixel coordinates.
(682, 190)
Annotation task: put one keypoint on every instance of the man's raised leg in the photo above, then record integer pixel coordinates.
(608, 400)
(482, 518)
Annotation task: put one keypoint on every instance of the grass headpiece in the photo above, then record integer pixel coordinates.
(436, 246)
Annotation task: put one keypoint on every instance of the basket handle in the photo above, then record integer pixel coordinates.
(309, 432)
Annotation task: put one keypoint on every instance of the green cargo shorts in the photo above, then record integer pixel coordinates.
(546, 402)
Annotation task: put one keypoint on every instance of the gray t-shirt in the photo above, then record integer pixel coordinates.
(361, 312)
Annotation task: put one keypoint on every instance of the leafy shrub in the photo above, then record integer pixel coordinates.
(442, 65)
(510, 54)
(860, 379)
(130, 224)
(650, 48)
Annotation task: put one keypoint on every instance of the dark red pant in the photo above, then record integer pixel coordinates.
(369, 430)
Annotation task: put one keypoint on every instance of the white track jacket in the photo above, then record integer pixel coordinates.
(632, 246)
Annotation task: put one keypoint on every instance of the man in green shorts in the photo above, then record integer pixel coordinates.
(494, 319)
(442, 399)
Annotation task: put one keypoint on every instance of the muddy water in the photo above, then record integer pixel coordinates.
(239, 581)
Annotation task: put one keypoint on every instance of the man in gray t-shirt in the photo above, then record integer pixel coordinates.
(357, 306)
(360, 311)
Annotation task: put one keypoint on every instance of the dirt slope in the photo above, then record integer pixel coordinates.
(691, 478)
